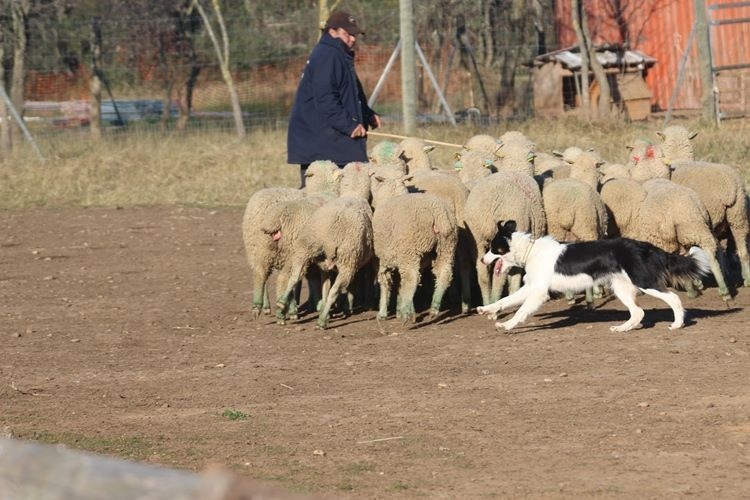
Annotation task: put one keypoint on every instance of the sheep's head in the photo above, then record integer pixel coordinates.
(414, 152)
(474, 164)
(387, 182)
(323, 177)
(384, 152)
(676, 141)
(355, 180)
(483, 143)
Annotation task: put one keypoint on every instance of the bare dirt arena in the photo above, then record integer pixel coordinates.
(128, 332)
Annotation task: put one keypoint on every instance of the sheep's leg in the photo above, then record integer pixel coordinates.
(739, 234)
(719, 276)
(624, 290)
(692, 289)
(409, 282)
(498, 284)
(589, 296)
(342, 282)
(266, 301)
(442, 270)
(325, 286)
(570, 297)
(514, 280)
(483, 278)
(673, 301)
(260, 291)
(386, 283)
(464, 270)
(598, 291)
(286, 289)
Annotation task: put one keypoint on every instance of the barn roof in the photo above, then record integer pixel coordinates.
(610, 56)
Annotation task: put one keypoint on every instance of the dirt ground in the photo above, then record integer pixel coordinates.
(128, 332)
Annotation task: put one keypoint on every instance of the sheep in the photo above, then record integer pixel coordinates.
(575, 212)
(451, 190)
(516, 137)
(517, 156)
(261, 247)
(387, 182)
(414, 152)
(323, 176)
(384, 152)
(337, 236)
(482, 143)
(501, 197)
(355, 180)
(409, 230)
(474, 165)
(677, 143)
(719, 186)
(664, 214)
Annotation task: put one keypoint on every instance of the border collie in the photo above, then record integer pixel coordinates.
(627, 266)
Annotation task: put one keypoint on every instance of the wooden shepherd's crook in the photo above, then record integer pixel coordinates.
(394, 136)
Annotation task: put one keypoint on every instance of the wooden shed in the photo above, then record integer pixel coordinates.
(557, 80)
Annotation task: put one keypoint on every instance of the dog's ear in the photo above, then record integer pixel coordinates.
(506, 228)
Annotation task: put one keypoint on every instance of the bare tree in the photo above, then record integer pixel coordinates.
(577, 12)
(324, 10)
(20, 12)
(222, 54)
(605, 93)
(5, 144)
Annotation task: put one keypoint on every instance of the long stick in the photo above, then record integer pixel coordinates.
(394, 136)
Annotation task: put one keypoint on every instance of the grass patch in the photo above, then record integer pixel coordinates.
(235, 415)
(213, 168)
(130, 447)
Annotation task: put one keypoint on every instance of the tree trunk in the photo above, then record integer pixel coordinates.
(20, 11)
(95, 85)
(5, 143)
(222, 54)
(605, 94)
(577, 14)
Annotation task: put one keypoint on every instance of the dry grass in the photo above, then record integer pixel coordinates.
(214, 168)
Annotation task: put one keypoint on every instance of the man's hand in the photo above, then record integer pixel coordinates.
(375, 122)
(359, 131)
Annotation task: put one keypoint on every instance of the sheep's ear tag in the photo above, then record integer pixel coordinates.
(457, 166)
(530, 156)
(487, 163)
(457, 155)
(692, 135)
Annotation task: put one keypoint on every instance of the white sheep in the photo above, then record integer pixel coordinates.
(323, 176)
(453, 192)
(664, 214)
(719, 186)
(501, 197)
(410, 232)
(574, 209)
(482, 143)
(415, 153)
(355, 180)
(473, 166)
(517, 156)
(337, 236)
(384, 152)
(260, 247)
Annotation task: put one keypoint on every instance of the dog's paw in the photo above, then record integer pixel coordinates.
(507, 325)
(481, 310)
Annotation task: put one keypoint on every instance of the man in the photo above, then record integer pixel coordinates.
(330, 116)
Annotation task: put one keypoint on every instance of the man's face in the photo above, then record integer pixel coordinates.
(344, 36)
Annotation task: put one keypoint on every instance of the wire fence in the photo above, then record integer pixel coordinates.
(146, 70)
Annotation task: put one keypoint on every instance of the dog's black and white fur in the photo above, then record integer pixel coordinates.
(627, 266)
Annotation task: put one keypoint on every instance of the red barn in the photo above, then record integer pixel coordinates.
(662, 29)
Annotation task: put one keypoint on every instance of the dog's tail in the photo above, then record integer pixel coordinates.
(685, 269)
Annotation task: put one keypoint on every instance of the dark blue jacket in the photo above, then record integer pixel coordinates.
(329, 104)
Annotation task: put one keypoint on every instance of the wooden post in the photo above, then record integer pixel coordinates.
(705, 60)
(408, 67)
(95, 84)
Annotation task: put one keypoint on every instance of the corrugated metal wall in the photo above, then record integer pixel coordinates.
(661, 29)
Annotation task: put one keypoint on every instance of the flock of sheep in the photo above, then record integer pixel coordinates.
(387, 220)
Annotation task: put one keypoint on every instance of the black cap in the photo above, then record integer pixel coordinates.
(341, 19)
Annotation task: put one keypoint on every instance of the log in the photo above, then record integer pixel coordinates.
(32, 470)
